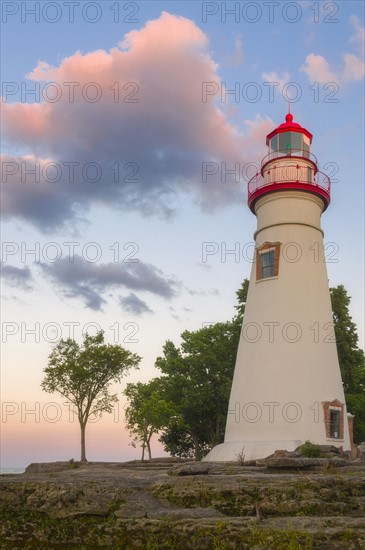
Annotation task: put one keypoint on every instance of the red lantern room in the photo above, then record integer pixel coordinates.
(289, 164)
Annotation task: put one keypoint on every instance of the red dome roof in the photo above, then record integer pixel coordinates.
(289, 122)
(289, 126)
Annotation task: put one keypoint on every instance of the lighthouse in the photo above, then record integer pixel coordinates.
(287, 386)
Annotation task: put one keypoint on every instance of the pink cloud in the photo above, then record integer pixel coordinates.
(318, 69)
(353, 69)
(24, 121)
(171, 30)
(158, 122)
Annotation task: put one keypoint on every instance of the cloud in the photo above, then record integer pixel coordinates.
(359, 37)
(34, 199)
(200, 292)
(133, 304)
(236, 58)
(354, 68)
(274, 77)
(318, 69)
(16, 276)
(89, 281)
(258, 128)
(133, 140)
(173, 314)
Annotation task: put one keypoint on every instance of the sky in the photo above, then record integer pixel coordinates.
(129, 132)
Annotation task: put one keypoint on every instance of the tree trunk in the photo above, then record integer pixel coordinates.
(149, 448)
(143, 450)
(83, 452)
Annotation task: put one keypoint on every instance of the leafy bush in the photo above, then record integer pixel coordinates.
(311, 450)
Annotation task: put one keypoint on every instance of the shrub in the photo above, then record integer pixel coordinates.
(311, 450)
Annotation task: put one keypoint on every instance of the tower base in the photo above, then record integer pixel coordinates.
(249, 450)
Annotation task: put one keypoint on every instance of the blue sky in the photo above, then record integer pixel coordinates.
(163, 52)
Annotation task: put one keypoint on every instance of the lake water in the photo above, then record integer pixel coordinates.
(11, 470)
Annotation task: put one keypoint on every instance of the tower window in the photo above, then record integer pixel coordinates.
(267, 264)
(335, 423)
(334, 419)
(267, 261)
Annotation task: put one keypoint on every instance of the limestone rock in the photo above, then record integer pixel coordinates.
(134, 506)
(193, 469)
(361, 448)
(303, 462)
(144, 505)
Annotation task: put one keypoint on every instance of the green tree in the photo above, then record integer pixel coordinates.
(242, 299)
(178, 441)
(197, 378)
(146, 413)
(351, 359)
(83, 373)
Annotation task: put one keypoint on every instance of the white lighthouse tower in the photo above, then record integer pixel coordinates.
(287, 385)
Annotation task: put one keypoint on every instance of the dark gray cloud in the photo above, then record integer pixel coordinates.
(133, 304)
(205, 266)
(200, 292)
(89, 281)
(174, 314)
(40, 203)
(16, 276)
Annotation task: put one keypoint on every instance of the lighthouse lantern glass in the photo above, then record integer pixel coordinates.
(274, 144)
(285, 141)
(290, 143)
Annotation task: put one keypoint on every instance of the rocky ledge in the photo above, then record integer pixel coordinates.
(167, 504)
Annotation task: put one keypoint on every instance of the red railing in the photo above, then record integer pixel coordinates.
(301, 153)
(289, 176)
